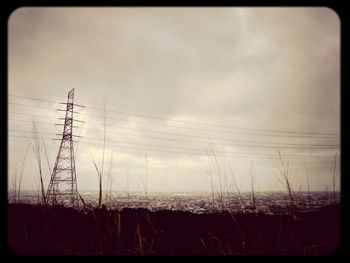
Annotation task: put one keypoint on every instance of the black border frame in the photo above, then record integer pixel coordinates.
(8, 6)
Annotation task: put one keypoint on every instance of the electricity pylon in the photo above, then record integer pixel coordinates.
(63, 183)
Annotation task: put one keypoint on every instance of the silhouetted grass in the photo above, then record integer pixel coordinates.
(57, 230)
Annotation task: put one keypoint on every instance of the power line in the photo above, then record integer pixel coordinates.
(201, 129)
(213, 125)
(40, 122)
(176, 134)
(204, 150)
(231, 140)
(194, 153)
(221, 131)
(36, 132)
(31, 98)
(313, 147)
(182, 148)
(286, 145)
(222, 153)
(27, 114)
(32, 106)
(199, 123)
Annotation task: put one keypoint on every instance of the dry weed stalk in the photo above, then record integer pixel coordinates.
(335, 174)
(284, 170)
(307, 181)
(37, 151)
(251, 173)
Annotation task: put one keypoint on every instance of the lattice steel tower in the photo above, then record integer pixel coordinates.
(63, 183)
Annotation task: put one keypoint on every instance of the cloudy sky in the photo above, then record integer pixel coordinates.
(177, 83)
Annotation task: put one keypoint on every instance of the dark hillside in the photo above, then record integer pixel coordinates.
(38, 230)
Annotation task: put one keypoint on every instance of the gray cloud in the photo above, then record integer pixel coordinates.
(264, 68)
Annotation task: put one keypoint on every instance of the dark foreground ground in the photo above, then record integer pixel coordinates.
(39, 230)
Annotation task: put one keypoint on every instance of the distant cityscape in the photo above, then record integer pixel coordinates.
(196, 202)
